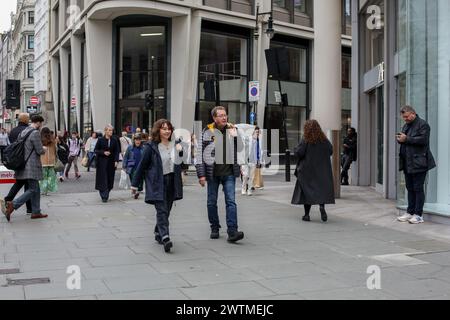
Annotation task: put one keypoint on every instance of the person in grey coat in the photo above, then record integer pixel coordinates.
(32, 172)
(314, 174)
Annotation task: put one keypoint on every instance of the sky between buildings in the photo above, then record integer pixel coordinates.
(6, 6)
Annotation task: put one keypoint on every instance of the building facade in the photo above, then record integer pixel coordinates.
(22, 36)
(401, 58)
(42, 61)
(108, 56)
(6, 66)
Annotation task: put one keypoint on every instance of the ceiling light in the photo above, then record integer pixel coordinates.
(151, 34)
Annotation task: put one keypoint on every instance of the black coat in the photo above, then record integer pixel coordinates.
(104, 176)
(352, 150)
(415, 152)
(151, 168)
(314, 174)
(14, 134)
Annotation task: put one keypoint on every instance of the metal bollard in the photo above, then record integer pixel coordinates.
(288, 165)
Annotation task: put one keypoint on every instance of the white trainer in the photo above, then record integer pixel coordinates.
(244, 192)
(249, 192)
(405, 218)
(416, 219)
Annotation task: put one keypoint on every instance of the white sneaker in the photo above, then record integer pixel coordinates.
(405, 218)
(416, 219)
(243, 192)
(249, 192)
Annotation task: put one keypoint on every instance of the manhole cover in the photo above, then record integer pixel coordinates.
(9, 271)
(26, 282)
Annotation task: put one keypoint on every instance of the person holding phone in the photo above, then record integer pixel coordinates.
(416, 160)
(107, 151)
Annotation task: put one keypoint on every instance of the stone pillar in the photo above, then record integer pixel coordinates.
(327, 83)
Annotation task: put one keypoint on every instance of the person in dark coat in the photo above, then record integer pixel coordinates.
(314, 174)
(350, 154)
(107, 152)
(24, 119)
(416, 160)
(163, 182)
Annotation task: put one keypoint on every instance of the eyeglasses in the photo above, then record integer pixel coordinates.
(222, 116)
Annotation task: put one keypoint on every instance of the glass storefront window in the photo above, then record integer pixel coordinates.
(223, 61)
(300, 6)
(279, 3)
(424, 83)
(142, 71)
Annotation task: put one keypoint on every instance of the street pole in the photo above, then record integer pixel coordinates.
(153, 92)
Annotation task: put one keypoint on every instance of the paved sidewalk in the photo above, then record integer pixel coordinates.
(280, 258)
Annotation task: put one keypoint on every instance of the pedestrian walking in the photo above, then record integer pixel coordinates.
(32, 172)
(63, 155)
(74, 144)
(314, 174)
(162, 175)
(48, 160)
(107, 152)
(350, 154)
(216, 168)
(89, 148)
(253, 162)
(24, 119)
(131, 161)
(416, 160)
(4, 142)
(125, 143)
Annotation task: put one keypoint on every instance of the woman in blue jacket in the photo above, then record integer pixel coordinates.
(131, 161)
(161, 165)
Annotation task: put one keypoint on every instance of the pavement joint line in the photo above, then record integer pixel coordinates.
(428, 252)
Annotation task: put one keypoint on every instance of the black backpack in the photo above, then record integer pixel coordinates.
(14, 154)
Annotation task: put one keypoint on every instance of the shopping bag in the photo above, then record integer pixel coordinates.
(85, 161)
(258, 181)
(124, 182)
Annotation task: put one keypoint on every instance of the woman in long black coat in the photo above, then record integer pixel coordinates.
(314, 174)
(107, 151)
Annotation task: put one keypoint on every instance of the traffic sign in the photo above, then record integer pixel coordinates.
(34, 100)
(253, 91)
(74, 101)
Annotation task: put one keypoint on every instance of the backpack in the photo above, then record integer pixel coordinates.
(14, 154)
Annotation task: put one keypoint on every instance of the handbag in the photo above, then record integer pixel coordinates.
(85, 161)
(59, 166)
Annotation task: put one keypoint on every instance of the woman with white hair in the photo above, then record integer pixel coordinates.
(107, 151)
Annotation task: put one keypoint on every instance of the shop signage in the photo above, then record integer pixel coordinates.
(253, 91)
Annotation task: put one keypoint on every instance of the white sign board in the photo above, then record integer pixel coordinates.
(278, 96)
(253, 91)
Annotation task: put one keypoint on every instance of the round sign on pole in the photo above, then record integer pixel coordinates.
(253, 91)
(34, 100)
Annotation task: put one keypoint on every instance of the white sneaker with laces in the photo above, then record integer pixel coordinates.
(405, 218)
(416, 219)
(249, 192)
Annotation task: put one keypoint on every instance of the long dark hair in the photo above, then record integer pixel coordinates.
(157, 126)
(47, 137)
(313, 132)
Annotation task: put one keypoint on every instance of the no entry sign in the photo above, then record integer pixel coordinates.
(34, 100)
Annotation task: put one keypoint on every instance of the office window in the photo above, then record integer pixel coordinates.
(31, 17)
(30, 70)
(30, 42)
(300, 6)
(280, 3)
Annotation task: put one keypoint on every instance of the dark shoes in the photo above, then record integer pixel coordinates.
(158, 239)
(39, 216)
(136, 195)
(235, 236)
(306, 218)
(9, 210)
(104, 200)
(323, 215)
(215, 234)
(167, 245)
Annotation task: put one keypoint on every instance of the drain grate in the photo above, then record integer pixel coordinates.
(26, 282)
(9, 271)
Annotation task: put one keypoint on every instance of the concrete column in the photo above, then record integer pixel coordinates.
(64, 62)
(75, 43)
(327, 84)
(54, 78)
(99, 62)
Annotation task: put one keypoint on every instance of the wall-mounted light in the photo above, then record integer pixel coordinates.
(151, 34)
(270, 32)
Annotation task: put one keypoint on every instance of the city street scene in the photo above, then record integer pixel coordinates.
(225, 150)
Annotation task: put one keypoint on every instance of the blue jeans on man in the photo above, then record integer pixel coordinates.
(33, 194)
(229, 188)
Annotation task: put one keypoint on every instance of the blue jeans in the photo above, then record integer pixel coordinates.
(229, 186)
(33, 194)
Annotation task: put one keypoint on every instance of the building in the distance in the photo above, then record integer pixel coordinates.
(22, 37)
(42, 61)
(401, 57)
(188, 56)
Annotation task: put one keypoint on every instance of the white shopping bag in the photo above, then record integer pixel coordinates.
(124, 182)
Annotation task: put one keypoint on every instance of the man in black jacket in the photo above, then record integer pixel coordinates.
(24, 119)
(350, 154)
(217, 168)
(416, 160)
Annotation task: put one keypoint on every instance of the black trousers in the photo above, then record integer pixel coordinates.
(163, 208)
(347, 162)
(416, 192)
(104, 194)
(2, 150)
(15, 189)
